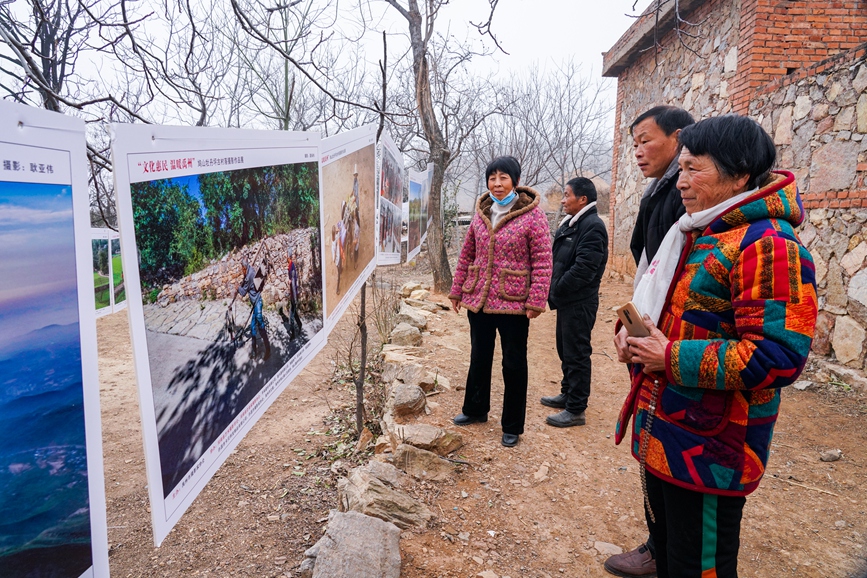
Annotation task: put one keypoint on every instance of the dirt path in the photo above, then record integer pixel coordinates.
(541, 509)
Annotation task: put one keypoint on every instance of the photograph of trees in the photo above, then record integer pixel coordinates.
(181, 224)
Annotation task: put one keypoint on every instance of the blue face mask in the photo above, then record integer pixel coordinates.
(506, 200)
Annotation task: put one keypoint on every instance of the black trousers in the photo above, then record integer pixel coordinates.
(694, 533)
(574, 325)
(514, 330)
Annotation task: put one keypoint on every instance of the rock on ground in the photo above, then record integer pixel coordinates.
(411, 316)
(405, 334)
(354, 545)
(408, 401)
(422, 464)
(365, 493)
(428, 437)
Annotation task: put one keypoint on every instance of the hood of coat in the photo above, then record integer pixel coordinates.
(528, 199)
(778, 199)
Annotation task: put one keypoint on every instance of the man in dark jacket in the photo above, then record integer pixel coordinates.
(580, 254)
(657, 149)
(654, 136)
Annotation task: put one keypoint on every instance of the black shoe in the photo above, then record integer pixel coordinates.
(462, 419)
(565, 419)
(558, 401)
(510, 440)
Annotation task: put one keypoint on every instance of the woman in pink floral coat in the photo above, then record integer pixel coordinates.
(502, 279)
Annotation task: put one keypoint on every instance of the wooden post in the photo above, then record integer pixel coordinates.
(359, 384)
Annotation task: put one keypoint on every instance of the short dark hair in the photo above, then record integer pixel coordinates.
(582, 187)
(736, 144)
(668, 118)
(505, 164)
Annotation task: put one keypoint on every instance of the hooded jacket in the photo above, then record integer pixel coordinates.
(507, 268)
(740, 317)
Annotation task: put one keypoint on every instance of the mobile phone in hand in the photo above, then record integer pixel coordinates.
(632, 320)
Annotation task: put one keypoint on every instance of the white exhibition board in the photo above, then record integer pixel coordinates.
(348, 169)
(207, 367)
(51, 467)
(390, 200)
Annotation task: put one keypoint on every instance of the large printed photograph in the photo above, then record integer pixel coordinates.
(45, 516)
(118, 284)
(349, 212)
(231, 280)
(413, 243)
(390, 203)
(101, 274)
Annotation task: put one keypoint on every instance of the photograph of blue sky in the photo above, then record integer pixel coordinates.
(37, 259)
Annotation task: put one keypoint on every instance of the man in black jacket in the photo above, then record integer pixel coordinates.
(655, 140)
(580, 254)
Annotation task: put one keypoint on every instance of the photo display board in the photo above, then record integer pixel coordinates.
(52, 503)
(108, 283)
(223, 254)
(390, 202)
(348, 165)
(414, 233)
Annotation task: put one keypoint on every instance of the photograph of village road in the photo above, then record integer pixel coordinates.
(231, 282)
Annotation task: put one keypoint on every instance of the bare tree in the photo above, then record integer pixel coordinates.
(449, 106)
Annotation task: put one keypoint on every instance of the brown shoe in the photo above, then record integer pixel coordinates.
(638, 563)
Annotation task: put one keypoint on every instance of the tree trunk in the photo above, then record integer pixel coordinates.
(439, 152)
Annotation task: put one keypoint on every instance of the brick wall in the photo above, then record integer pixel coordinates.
(778, 38)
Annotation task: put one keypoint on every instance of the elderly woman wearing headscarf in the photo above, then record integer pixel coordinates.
(730, 302)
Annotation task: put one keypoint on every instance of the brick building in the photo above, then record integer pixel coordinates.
(800, 69)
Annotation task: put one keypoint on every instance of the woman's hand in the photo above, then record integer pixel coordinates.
(623, 355)
(532, 314)
(649, 351)
(456, 305)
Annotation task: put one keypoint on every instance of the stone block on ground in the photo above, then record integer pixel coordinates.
(411, 316)
(363, 492)
(385, 472)
(420, 294)
(354, 545)
(422, 464)
(364, 440)
(409, 287)
(428, 437)
(382, 446)
(408, 401)
(434, 379)
(405, 334)
(419, 304)
(406, 371)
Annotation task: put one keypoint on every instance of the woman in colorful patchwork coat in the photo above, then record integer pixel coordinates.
(502, 278)
(730, 301)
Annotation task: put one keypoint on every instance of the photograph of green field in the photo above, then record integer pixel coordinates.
(117, 273)
(101, 278)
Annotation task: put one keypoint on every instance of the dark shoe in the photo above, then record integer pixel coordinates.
(558, 401)
(510, 440)
(462, 419)
(638, 563)
(565, 419)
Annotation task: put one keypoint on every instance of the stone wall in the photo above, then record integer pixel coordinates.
(220, 279)
(818, 120)
(699, 83)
